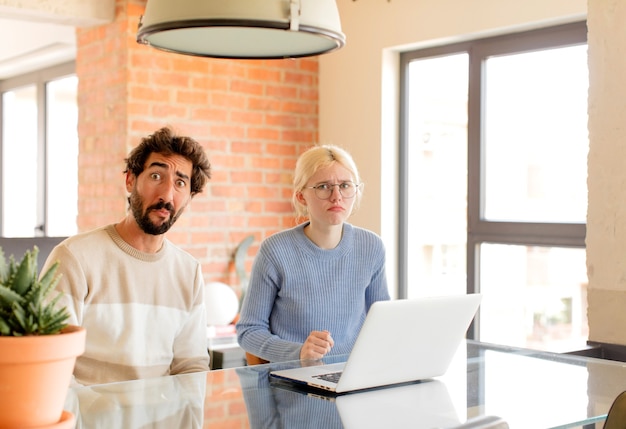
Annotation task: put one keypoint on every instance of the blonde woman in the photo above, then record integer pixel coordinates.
(312, 285)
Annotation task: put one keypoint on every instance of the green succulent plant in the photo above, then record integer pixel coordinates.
(24, 307)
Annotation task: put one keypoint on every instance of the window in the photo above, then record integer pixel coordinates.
(39, 154)
(493, 182)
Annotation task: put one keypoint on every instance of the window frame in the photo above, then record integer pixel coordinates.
(39, 79)
(480, 230)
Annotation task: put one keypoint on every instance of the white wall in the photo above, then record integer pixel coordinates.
(358, 84)
(606, 182)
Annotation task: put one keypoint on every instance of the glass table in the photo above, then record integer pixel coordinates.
(525, 388)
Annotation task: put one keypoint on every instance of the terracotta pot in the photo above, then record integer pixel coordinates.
(35, 373)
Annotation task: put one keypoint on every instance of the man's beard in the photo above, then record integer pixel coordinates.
(143, 220)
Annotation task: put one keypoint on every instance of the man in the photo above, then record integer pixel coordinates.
(139, 297)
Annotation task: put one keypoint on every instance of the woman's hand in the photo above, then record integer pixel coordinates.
(317, 344)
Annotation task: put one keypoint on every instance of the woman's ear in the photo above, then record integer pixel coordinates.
(300, 198)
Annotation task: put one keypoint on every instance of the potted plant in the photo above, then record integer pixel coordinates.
(38, 349)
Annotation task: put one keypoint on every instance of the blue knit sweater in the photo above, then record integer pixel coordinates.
(296, 287)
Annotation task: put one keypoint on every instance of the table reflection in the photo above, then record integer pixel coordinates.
(525, 388)
(272, 404)
(158, 403)
(273, 408)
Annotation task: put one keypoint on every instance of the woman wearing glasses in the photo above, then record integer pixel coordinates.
(312, 285)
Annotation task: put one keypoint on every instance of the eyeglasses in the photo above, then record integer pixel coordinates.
(323, 191)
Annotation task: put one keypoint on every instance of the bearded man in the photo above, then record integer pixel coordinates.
(138, 295)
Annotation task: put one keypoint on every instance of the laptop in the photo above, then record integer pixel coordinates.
(401, 341)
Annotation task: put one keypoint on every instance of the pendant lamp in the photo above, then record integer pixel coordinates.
(243, 29)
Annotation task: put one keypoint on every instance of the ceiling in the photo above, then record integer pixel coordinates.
(41, 33)
(33, 45)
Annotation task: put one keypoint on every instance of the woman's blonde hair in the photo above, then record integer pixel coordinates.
(311, 161)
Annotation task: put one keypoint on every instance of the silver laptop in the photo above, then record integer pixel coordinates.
(400, 341)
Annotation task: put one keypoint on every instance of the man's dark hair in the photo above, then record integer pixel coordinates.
(165, 142)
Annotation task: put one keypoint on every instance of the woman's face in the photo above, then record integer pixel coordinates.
(336, 208)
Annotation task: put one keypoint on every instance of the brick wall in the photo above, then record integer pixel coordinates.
(253, 117)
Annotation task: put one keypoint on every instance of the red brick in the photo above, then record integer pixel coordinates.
(264, 133)
(247, 87)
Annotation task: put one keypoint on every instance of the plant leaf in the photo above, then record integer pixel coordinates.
(24, 308)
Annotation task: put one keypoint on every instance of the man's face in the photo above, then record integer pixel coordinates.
(160, 193)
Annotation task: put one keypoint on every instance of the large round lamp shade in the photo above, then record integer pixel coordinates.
(243, 29)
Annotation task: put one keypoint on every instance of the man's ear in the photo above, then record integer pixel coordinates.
(130, 181)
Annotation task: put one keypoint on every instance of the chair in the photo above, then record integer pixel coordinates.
(616, 418)
(18, 246)
(255, 360)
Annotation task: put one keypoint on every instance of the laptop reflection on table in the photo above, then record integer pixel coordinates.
(419, 405)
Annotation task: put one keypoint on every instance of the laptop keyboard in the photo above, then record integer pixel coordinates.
(332, 377)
